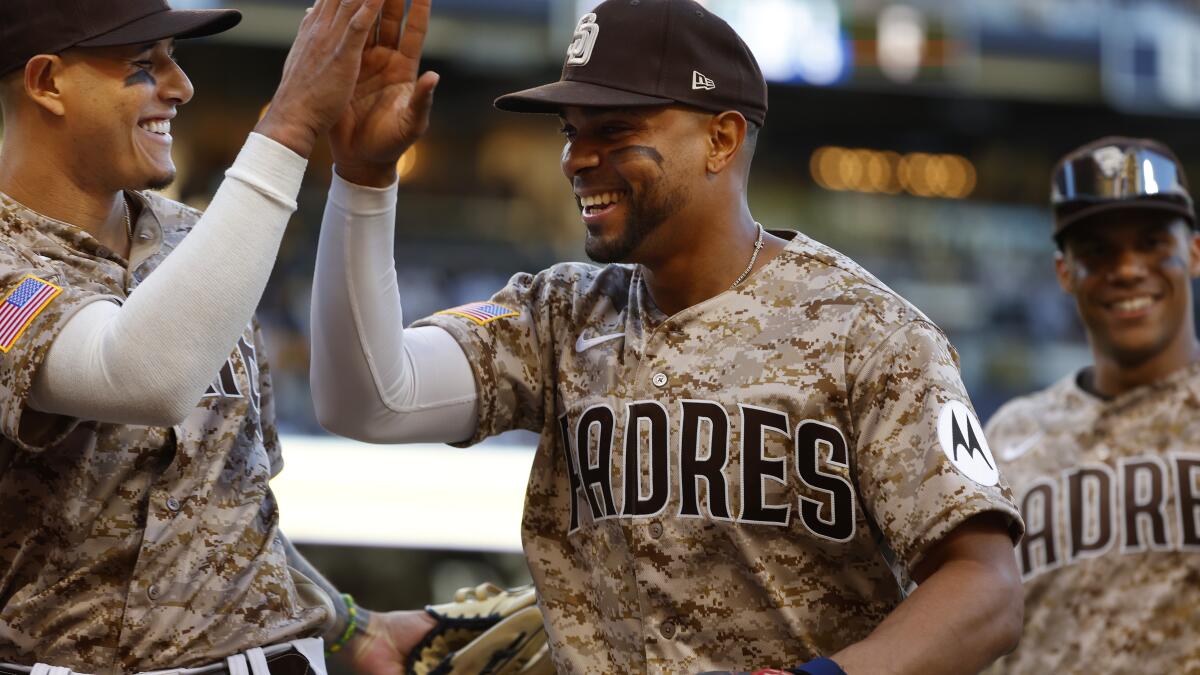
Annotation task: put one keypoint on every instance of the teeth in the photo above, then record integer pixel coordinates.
(601, 200)
(1133, 304)
(156, 126)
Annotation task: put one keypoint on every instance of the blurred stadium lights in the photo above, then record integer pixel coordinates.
(884, 172)
(422, 496)
(901, 44)
(407, 165)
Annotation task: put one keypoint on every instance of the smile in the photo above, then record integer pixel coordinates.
(596, 204)
(1131, 306)
(159, 127)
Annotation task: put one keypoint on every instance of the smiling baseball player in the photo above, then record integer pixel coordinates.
(1107, 461)
(749, 445)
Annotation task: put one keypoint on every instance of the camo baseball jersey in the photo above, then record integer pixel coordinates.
(1110, 491)
(745, 484)
(127, 548)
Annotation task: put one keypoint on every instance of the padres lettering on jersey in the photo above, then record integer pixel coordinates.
(740, 484)
(1147, 503)
(705, 426)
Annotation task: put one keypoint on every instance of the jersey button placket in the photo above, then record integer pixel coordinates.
(174, 505)
(153, 592)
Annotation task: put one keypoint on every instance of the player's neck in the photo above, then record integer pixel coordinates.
(51, 191)
(1113, 378)
(705, 263)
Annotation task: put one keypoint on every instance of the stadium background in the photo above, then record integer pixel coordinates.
(918, 138)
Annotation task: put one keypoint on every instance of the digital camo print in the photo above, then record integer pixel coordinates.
(1110, 491)
(746, 484)
(127, 548)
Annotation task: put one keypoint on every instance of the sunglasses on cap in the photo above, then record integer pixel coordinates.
(1113, 173)
(1120, 174)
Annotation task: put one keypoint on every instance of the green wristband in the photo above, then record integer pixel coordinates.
(351, 624)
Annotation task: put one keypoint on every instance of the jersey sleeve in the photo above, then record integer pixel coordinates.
(923, 464)
(507, 342)
(35, 303)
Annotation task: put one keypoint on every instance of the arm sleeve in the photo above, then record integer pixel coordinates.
(148, 361)
(371, 379)
(906, 389)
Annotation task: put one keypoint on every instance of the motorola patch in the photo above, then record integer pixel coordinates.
(962, 440)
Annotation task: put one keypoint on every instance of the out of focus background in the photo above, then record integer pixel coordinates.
(917, 137)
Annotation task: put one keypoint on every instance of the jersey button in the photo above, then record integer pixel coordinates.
(173, 504)
(656, 530)
(659, 380)
(153, 592)
(668, 629)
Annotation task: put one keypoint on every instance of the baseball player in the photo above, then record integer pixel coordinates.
(1107, 461)
(137, 430)
(750, 447)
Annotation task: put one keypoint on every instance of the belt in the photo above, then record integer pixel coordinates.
(298, 657)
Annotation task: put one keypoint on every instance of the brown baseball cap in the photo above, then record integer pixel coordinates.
(32, 27)
(631, 53)
(1117, 172)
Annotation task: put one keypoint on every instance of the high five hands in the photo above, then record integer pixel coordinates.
(353, 71)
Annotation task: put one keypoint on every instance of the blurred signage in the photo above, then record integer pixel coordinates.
(1150, 55)
(800, 41)
(1144, 55)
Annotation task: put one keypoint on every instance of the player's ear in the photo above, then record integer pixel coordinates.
(726, 135)
(1194, 249)
(1062, 271)
(42, 74)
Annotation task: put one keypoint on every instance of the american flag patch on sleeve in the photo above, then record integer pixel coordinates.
(21, 306)
(482, 313)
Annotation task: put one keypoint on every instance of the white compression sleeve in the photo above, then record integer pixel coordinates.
(372, 380)
(149, 361)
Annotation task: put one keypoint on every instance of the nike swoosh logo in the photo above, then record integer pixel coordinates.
(582, 345)
(1010, 453)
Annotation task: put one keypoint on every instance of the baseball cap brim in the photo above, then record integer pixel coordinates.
(176, 23)
(1078, 217)
(553, 97)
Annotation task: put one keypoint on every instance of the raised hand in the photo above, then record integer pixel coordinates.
(320, 72)
(389, 109)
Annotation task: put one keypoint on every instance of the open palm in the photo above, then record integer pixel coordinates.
(389, 109)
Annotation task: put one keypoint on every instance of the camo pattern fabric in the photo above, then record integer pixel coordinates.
(1110, 490)
(126, 548)
(745, 484)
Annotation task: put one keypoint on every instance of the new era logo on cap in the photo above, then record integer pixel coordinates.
(700, 81)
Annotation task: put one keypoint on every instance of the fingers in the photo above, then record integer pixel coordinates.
(391, 19)
(362, 23)
(413, 40)
(422, 101)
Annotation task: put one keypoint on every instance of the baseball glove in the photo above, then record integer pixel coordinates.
(485, 631)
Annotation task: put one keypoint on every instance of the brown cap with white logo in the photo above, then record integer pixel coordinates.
(32, 27)
(630, 53)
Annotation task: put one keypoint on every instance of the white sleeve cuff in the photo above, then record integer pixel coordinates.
(360, 200)
(271, 168)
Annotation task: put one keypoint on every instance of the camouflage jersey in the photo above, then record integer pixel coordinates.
(748, 483)
(1110, 490)
(128, 548)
